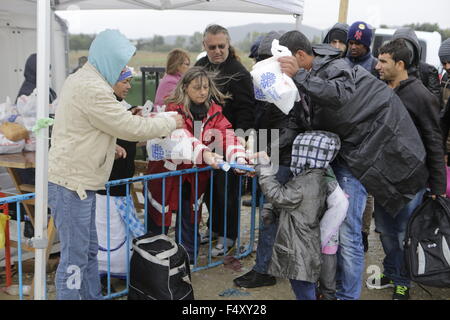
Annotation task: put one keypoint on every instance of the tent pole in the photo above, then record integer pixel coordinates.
(298, 21)
(42, 85)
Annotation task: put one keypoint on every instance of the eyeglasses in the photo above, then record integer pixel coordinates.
(220, 46)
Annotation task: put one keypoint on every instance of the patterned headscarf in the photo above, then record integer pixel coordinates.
(125, 74)
(314, 149)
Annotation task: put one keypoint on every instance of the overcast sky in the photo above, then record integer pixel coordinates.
(317, 13)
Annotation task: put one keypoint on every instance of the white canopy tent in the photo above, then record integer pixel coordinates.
(44, 9)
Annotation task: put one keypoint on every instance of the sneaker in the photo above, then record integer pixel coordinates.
(219, 250)
(365, 240)
(380, 282)
(401, 293)
(204, 237)
(253, 279)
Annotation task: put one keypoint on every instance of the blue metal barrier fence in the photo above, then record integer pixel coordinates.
(241, 252)
(18, 199)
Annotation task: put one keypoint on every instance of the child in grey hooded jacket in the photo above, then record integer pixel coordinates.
(301, 202)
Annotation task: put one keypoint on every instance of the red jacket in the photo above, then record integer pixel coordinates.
(215, 129)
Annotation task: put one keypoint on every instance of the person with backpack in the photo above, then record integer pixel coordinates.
(382, 152)
(394, 59)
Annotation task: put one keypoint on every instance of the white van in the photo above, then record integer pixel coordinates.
(429, 41)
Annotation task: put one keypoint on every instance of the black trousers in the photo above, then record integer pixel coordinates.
(217, 212)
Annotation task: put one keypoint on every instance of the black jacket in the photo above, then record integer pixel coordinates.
(423, 107)
(429, 76)
(380, 143)
(233, 78)
(419, 69)
(288, 126)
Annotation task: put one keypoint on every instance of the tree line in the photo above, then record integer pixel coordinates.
(194, 43)
(158, 43)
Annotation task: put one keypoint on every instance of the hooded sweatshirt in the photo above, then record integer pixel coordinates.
(419, 69)
(343, 27)
(89, 119)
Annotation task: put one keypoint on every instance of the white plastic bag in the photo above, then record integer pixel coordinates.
(30, 142)
(271, 84)
(337, 205)
(27, 122)
(178, 146)
(26, 105)
(8, 112)
(8, 146)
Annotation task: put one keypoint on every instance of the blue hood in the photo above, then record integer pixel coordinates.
(109, 53)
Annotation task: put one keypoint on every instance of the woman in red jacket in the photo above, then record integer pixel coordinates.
(206, 129)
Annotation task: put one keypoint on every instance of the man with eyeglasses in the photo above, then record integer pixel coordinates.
(235, 80)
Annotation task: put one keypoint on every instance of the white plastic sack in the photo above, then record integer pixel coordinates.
(8, 146)
(118, 233)
(271, 84)
(8, 112)
(30, 142)
(333, 217)
(26, 121)
(26, 105)
(178, 146)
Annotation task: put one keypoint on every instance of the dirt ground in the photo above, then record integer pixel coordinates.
(216, 283)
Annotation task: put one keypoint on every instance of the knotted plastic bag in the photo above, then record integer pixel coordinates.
(177, 146)
(271, 84)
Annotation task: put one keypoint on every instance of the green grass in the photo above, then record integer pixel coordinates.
(150, 59)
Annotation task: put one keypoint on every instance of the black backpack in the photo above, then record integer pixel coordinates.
(159, 270)
(427, 240)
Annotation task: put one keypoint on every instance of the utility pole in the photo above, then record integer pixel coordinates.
(343, 11)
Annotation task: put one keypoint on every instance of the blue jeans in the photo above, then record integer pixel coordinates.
(267, 232)
(303, 290)
(392, 233)
(350, 255)
(77, 275)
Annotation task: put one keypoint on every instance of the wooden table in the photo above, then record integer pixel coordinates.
(22, 160)
(25, 160)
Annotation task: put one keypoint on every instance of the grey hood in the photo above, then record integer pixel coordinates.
(338, 26)
(409, 35)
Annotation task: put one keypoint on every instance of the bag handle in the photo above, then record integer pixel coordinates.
(163, 255)
(279, 50)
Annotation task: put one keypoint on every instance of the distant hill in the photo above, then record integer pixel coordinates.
(239, 33)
